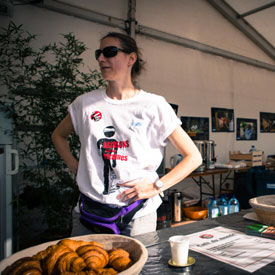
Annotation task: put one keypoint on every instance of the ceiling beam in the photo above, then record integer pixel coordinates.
(171, 38)
(90, 15)
(269, 5)
(229, 13)
(132, 18)
(82, 13)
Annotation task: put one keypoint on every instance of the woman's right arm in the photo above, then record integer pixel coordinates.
(60, 140)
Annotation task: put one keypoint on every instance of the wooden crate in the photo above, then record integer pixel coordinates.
(254, 158)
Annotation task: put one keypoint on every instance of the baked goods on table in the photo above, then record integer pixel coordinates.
(72, 257)
(119, 259)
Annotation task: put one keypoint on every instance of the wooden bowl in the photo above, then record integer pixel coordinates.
(137, 250)
(195, 212)
(264, 207)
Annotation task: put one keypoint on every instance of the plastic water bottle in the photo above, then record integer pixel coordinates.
(233, 205)
(223, 206)
(213, 210)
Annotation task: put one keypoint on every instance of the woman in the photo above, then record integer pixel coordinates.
(123, 131)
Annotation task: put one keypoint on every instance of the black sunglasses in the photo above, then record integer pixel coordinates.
(108, 52)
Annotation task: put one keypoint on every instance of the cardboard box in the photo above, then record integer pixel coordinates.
(254, 158)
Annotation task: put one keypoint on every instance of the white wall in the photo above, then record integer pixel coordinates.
(198, 81)
(194, 80)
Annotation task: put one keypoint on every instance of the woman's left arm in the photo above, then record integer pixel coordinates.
(191, 160)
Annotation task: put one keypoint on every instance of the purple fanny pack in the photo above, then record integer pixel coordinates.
(102, 218)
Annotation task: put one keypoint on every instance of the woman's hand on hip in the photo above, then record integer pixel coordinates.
(73, 166)
(137, 190)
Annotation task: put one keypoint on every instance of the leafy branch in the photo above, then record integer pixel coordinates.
(41, 83)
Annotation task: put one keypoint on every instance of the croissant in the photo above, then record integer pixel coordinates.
(32, 272)
(119, 259)
(69, 261)
(104, 271)
(94, 256)
(26, 265)
(44, 253)
(48, 263)
(72, 257)
(74, 244)
(75, 273)
(91, 272)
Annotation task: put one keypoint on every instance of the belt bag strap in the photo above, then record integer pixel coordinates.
(118, 211)
(112, 226)
(104, 215)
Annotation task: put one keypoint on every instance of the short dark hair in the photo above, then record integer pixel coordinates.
(129, 44)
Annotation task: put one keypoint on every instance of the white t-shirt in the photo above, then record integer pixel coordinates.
(121, 140)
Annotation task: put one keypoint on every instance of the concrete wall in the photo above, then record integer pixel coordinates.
(194, 80)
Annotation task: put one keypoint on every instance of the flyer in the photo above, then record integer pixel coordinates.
(233, 247)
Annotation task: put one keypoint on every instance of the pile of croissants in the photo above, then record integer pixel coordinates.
(72, 257)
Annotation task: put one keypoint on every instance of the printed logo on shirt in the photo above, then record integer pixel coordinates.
(135, 125)
(96, 116)
(108, 148)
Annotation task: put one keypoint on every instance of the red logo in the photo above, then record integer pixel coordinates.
(206, 236)
(96, 116)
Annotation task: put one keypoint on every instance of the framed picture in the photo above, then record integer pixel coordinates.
(267, 122)
(196, 127)
(246, 129)
(175, 107)
(222, 120)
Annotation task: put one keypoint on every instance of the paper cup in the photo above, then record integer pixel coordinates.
(179, 249)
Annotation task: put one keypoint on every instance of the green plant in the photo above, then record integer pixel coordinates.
(41, 83)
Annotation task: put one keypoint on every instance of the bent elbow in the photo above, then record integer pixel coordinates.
(54, 137)
(197, 160)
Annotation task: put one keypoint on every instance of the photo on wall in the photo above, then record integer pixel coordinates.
(246, 129)
(222, 120)
(196, 127)
(267, 122)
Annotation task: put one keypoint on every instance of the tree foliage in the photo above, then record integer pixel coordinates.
(40, 84)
